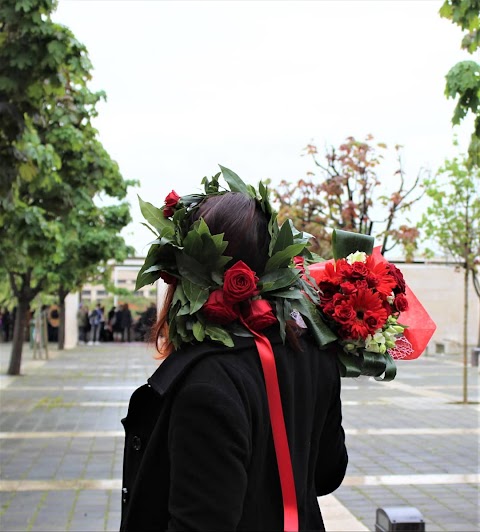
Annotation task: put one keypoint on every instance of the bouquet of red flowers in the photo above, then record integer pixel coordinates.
(362, 298)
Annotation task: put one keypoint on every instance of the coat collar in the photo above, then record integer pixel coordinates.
(176, 364)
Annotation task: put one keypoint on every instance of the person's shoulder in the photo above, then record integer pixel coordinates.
(206, 362)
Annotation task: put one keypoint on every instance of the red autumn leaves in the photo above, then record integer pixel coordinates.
(233, 301)
(358, 298)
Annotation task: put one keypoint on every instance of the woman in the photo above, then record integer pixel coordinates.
(199, 451)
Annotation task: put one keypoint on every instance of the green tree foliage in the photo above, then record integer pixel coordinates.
(453, 221)
(53, 167)
(347, 193)
(463, 79)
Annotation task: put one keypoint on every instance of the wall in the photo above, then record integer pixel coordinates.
(439, 288)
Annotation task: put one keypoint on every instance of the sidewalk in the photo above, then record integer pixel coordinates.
(410, 443)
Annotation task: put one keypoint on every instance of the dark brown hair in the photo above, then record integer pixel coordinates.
(244, 225)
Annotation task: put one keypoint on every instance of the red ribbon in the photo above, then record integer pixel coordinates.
(285, 470)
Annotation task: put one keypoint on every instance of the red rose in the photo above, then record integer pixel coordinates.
(401, 302)
(217, 310)
(344, 313)
(348, 288)
(239, 283)
(398, 276)
(170, 203)
(259, 315)
(327, 290)
(374, 320)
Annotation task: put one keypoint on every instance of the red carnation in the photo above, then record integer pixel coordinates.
(216, 309)
(358, 271)
(361, 284)
(344, 270)
(170, 203)
(401, 302)
(258, 315)
(239, 283)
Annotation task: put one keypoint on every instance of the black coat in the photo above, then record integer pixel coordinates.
(199, 451)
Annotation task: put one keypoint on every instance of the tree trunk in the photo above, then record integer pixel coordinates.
(465, 335)
(61, 326)
(21, 320)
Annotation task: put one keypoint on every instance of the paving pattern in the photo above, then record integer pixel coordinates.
(61, 442)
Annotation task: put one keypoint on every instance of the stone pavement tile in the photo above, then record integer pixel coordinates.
(64, 394)
(113, 521)
(90, 511)
(18, 509)
(54, 512)
(437, 513)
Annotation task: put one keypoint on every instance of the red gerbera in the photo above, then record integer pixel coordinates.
(379, 277)
(329, 274)
(370, 314)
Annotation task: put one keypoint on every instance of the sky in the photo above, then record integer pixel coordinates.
(248, 84)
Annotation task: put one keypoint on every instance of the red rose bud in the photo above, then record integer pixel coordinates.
(401, 302)
(170, 203)
(259, 315)
(168, 278)
(217, 310)
(239, 283)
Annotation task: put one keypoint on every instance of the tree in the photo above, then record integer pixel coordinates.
(90, 241)
(453, 222)
(349, 195)
(53, 167)
(463, 79)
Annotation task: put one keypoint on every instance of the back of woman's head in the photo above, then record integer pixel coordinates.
(244, 225)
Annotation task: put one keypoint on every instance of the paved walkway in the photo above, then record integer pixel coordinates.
(410, 442)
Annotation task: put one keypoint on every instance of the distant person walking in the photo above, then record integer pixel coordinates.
(110, 323)
(126, 322)
(117, 324)
(95, 319)
(82, 322)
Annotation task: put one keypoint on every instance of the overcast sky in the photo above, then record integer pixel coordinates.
(248, 84)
